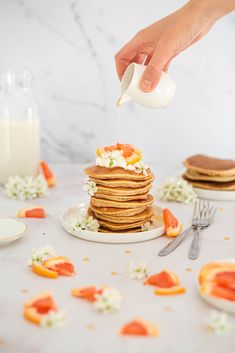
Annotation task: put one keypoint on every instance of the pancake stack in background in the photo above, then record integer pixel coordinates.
(210, 173)
(122, 202)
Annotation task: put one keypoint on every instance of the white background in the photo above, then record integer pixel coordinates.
(70, 47)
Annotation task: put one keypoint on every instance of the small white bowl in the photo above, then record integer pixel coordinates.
(10, 230)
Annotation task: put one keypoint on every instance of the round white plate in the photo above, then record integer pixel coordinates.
(216, 195)
(116, 238)
(10, 230)
(218, 303)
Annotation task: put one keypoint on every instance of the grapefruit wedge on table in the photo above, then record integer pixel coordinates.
(32, 212)
(173, 226)
(61, 265)
(87, 293)
(38, 307)
(139, 327)
(166, 283)
(48, 175)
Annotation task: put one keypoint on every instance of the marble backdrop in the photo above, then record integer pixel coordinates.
(70, 45)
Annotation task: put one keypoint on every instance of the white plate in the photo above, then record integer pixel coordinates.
(216, 195)
(117, 238)
(10, 230)
(218, 303)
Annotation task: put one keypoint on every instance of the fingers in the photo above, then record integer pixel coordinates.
(152, 73)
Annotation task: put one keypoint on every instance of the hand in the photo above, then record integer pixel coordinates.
(159, 43)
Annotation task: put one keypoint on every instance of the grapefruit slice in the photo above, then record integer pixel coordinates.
(170, 291)
(139, 327)
(44, 272)
(206, 270)
(87, 293)
(172, 225)
(164, 279)
(35, 309)
(32, 212)
(60, 264)
(48, 175)
(129, 152)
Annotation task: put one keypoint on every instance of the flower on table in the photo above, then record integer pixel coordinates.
(54, 319)
(84, 223)
(138, 271)
(218, 323)
(90, 187)
(38, 256)
(108, 301)
(18, 188)
(177, 189)
(111, 160)
(146, 226)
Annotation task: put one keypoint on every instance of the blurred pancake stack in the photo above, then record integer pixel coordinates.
(210, 173)
(122, 200)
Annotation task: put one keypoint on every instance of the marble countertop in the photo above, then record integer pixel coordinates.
(180, 319)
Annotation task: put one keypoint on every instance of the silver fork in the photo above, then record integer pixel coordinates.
(176, 242)
(203, 219)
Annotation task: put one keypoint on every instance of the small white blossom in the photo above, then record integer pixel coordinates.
(18, 188)
(84, 223)
(108, 301)
(177, 189)
(218, 323)
(90, 187)
(111, 160)
(145, 227)
(38, 256)
(54, 319)
(139, 167)
(138, 271)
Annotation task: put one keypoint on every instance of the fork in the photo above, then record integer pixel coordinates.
(176, 242)
(203, 218)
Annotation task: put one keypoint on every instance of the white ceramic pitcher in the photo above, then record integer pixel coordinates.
(160, 97)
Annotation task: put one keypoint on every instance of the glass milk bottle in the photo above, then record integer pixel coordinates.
(19, 126)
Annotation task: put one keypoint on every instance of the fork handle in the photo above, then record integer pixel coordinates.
(194, 249)
(172, 245)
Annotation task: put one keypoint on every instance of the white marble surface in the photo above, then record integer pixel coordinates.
(181, 330)
(69, 45)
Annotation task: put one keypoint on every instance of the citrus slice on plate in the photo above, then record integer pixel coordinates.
(164, 279)
(87, 293)
(172, 225)
(36, 308)
(60, 264)
(43, 271)
(139, 327)
(32, 212)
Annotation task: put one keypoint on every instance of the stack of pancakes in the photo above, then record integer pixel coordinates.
(122, 202)
(210, 173)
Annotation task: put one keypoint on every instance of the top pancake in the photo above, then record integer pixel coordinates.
(98, 172)
(210, 166)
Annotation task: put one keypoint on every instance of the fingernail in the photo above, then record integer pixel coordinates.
(145, 85)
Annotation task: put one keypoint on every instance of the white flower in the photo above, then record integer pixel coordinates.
(218, 323)
(145, 227)
(111, 160)
(138, 271)
(38, 256)
(139, 167)
(90, 187)
(108, 301)
(177, 189)
(18, 188)
(84, 223)
(54, 319)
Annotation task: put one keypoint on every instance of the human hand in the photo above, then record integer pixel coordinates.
(159, 43)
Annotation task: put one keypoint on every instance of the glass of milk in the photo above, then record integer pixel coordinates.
(19, 125)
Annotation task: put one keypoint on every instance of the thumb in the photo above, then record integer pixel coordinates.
(152, 73)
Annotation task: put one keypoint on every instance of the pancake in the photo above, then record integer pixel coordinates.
(104, 190)
(98, 172)
(120, 226)
(131, 230)
(117, 212)
(210, 166)
(122, 183)
(193, 175)
(210, 185)
(143, 216)
(121, 197)
(128, 204)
